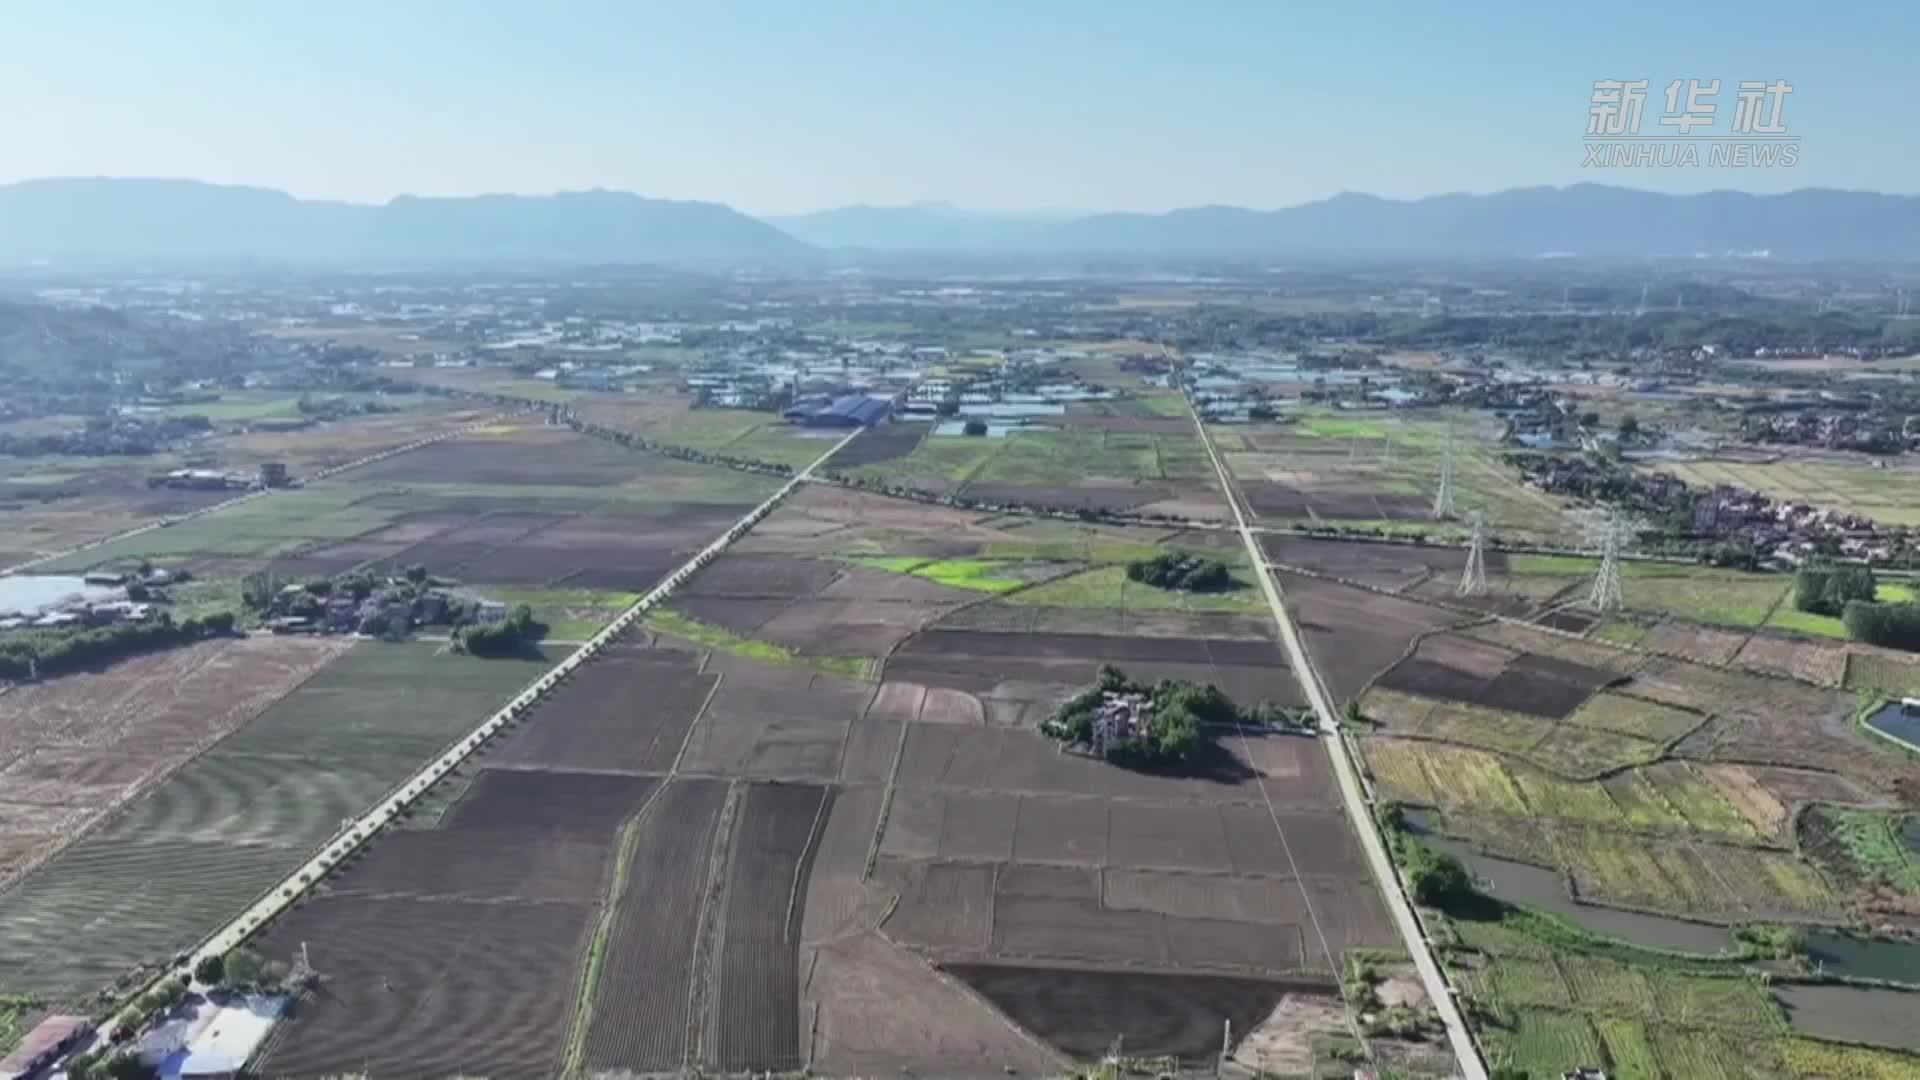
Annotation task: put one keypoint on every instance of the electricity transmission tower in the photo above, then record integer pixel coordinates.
(1473, 579)
(1443, 498)
(1611, 535)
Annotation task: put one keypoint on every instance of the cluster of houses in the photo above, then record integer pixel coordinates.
(271, 474)
(1788, 531)
(393, 609)
(1834, 431)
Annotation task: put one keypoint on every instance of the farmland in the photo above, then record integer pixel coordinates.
(800, 816)
(77, 748)
(56, 502)
(1321, 467)
(1145, 466)
(1853, 483)
(177, 860)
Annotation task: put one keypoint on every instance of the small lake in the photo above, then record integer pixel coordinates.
(1853, 1013)
(31, 592)
(1521, 883)
(1894, 961)
(1910, 834)
(1894, 719)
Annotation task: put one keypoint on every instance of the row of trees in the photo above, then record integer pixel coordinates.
(38, 654)
(1895, 626)
(1178, 570)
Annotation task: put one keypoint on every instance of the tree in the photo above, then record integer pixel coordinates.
(211, 970)
(417, 574)
(1629, 426)
(974, 427)
(1438, 879)
(243, 966)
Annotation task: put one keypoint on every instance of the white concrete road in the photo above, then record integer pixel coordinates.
(359, 830)
(1348, 773)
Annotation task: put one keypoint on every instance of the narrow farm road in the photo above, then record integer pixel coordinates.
(1348, 772)
(359, 830)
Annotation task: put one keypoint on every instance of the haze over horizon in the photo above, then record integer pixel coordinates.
(1073, 106)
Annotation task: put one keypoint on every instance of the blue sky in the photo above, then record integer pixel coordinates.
(801, 104)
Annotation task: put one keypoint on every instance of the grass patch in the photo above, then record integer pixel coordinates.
(977, 575)
(1872, 844)
(570, 614)
(1107, 587)
(1622, 632)
(667, 621)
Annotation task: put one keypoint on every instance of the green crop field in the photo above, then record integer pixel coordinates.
(1870, 846)
(1701, 593)
(675, 624)
(978, 575)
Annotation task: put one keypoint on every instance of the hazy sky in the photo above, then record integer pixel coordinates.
(800, 104)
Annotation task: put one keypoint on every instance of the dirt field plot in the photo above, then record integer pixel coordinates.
(459, 863)
(1352, 634)
(1530, 683)
(942, 905)
(85, 743)
(1824, 664)
(640, 1009)
(980, 662)
(815, 607)
(772, 722)
(517, 800)
(940, 756)
(430, 987)
(1081, 1012)
(629, 710)
(879, 444)
(757, 1009)
(883, 1011)
(199, 846)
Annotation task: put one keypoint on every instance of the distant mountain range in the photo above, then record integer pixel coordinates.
(1584, 219)
(101, 219)
(104, 219)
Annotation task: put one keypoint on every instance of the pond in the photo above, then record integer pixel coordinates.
(1910, 834)
(1521, 883)
(1896, 720)
(1853, 1013)
(1894, 961)
(31, 592)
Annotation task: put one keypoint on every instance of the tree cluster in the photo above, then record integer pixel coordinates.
(1895, 626)
(41, 653)
(1178, 570)
(1179, 714)
(1828, 589)
(515, 635)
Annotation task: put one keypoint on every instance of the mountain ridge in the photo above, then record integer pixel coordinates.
(108, 219)
(1584, 219)
(100, 219)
